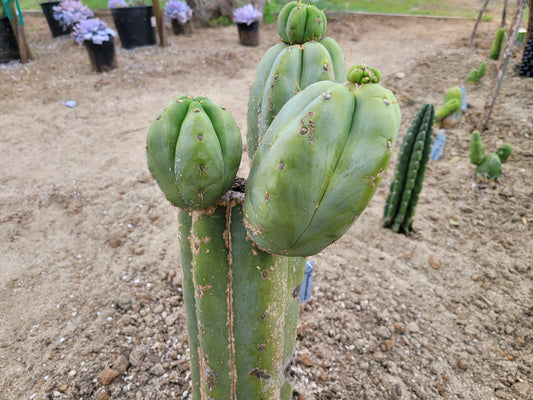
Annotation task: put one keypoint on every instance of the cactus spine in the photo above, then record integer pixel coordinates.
(409, 174)
(488, 166)
(304, 57)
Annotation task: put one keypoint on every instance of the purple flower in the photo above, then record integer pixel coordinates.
(69, 12)
(246, 14)
(94, 30)
(117, 3)
(176, 9)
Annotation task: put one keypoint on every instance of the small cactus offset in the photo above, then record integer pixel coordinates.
(453, 99)
(489, 166)
(304, 57)
(497, 44)
(409, 174)
(476, 74)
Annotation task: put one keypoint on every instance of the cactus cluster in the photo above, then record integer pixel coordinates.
(409, 173)
(322, 149)
(497, 44)
(476, 74)
(489, 166)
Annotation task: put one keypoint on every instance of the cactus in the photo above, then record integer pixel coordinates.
(194, 150)
(488, 166)
(409, 174)
(319, 164)
(304, 57)
(497, 44)
(476, 74)
(453, 99)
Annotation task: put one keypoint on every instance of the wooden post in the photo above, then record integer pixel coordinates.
(17, 25)
(158, 13)
(509, 45)
(477, 22)
(504, 13)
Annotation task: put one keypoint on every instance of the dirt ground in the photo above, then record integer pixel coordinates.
(89, 265)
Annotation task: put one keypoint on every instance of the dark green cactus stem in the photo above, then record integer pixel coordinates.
(497, 44)
(409, 174)
(247, 305)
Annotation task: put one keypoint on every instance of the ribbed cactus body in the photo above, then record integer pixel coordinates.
(477, 150)
(497, 44)
(243, 326)
(409, 173)
(194, 149)
(304, 58)
(318, 166)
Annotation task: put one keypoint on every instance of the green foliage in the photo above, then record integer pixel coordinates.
(488, 166)
(497, 44)
(409, 174)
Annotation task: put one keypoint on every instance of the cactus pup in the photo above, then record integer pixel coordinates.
(319, 163)
(304, 56)
(476, 74)
(489, 166)
(453, 99)
(409, 173)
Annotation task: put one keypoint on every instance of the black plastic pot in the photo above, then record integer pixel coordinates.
(181, 29)
(102, 56)
(135, 26)
(55, 27)
(249, 34)
(9, 49)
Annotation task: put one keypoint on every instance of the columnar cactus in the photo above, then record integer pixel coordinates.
(304, 57)
(409, 174)
(320, 163)
(497, 44)
(488, 166)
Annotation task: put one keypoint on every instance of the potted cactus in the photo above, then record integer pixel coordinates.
(135, 23)
(247, 19)
(179, 14)
(97, 38)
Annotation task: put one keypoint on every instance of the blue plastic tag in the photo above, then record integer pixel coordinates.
(307, 284)
(463, 105)
(438, 145)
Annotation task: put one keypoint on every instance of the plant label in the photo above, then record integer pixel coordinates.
(438, 144)
(307, 284)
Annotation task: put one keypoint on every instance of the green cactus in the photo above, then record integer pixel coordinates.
(194, 150)
(242, 305)
(318, 166)
(453, 99)
(476, 74)
(488, 166)
(409, 174)
(497, 44)
(304, 57)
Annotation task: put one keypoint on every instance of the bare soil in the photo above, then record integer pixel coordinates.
(89, 265)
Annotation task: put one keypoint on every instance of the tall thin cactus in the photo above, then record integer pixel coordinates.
(409, 174)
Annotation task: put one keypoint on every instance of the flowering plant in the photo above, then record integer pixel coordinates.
(179, 10)
(70, 12)
(246, 14)
(117, 3)
(94, 30)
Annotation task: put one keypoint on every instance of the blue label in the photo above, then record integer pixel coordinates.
(307, 284)
(438, 145)
(463, 105)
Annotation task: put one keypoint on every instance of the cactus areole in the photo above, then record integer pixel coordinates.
(319, 164)
(194, 149)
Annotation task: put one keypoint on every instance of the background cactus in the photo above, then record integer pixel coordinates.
(453, 99)
(319, 164)
(409, 174)
(194, 150)
(476, 74)
(497, 44)
(304, 57)
(488, 166)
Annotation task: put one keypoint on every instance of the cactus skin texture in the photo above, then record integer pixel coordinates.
(319, 165)
(489, 166)
(242, 328)
(497, 44)
(299, 23)
(194, 150)
(286, 68)
(409, 174)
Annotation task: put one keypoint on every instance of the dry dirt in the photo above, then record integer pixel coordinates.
(89, 267)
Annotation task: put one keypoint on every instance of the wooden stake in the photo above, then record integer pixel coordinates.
(159, 22)
(477, 22)
(504, 13)
(509, 45)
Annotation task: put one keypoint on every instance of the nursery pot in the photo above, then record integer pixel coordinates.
(249, 34)
(102, 56)
(55, 27)
(9, 49)
(181, 29)
(135, 26)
